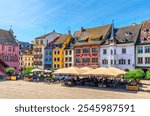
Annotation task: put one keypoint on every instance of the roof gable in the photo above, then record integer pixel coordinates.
(6, 37)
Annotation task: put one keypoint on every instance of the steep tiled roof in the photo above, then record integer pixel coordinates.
(92, 33)
(145, 35)
(128, 33)
(61, 39)
(45, 35)
(6, 37)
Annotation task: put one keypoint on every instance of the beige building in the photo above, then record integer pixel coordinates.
(27, 59)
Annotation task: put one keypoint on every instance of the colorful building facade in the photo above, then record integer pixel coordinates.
(39, 48)
(87, 47)
(25, 48)
(58, 50)
(9, 50)
(27, 58)
(119, 50)
(48, 64)
(143, 47)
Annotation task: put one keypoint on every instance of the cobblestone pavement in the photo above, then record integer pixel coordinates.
(31, 90)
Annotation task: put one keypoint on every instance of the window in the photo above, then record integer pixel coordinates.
(54, 65)
(111, 51)
(70, 59)
(55, 52)
(122, 61)
(9, 49)
(77, 51)
(129, 62)
(111, 61)
(41, 41)
(78, 60)
(86, 60)
(54, 59)
(115, 52)
(70, 65)
(58, 66)
(2, 47)
(70, 52)
(58, 59)
(140, 49)
(104, 61)
(66, 65)
(147, 49)
(37, 42)
(86, 50)
(46, 52)
(94, 60)
(58, 52)
(14, 49)
(114, 61)
(104, 51)
(94, 50)
(140, 60)
(123, 50)
(66, 59)
(147, 60)
(66, 52)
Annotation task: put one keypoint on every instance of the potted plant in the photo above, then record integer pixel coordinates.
(27, 71)
(10, 72)
(148, 74)
(134, 77)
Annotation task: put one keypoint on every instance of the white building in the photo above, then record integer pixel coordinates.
(119, 50)
(68, 58)
(39, 48)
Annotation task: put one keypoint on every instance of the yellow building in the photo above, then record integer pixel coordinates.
(58, 51)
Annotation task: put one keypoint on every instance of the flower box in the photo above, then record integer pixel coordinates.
(132, 87)
(14, 78)
(28, 79)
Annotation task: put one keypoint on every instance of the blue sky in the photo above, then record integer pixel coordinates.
(31, 18)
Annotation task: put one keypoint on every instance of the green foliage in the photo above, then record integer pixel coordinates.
(9, 71)
(28, 70)
(148, 74)
(135, 75)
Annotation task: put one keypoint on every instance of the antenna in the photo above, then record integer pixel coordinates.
(69, 29)
(11, 26)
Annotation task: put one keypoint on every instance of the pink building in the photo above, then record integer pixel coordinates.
(9, 50)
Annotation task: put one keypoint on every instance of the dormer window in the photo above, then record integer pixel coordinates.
(128, 33)
(148, 39)
(95, 40)
(146, 30)
(125, 40)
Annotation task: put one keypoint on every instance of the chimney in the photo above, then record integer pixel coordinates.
(82, 29)
(112, 30)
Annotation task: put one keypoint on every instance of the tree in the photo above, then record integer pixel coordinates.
(135, 75)
(148, 74)
(28, 70)
(9, 71)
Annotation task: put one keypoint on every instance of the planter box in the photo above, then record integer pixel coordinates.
(28, 79)
(14, 78)
(132, 88)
